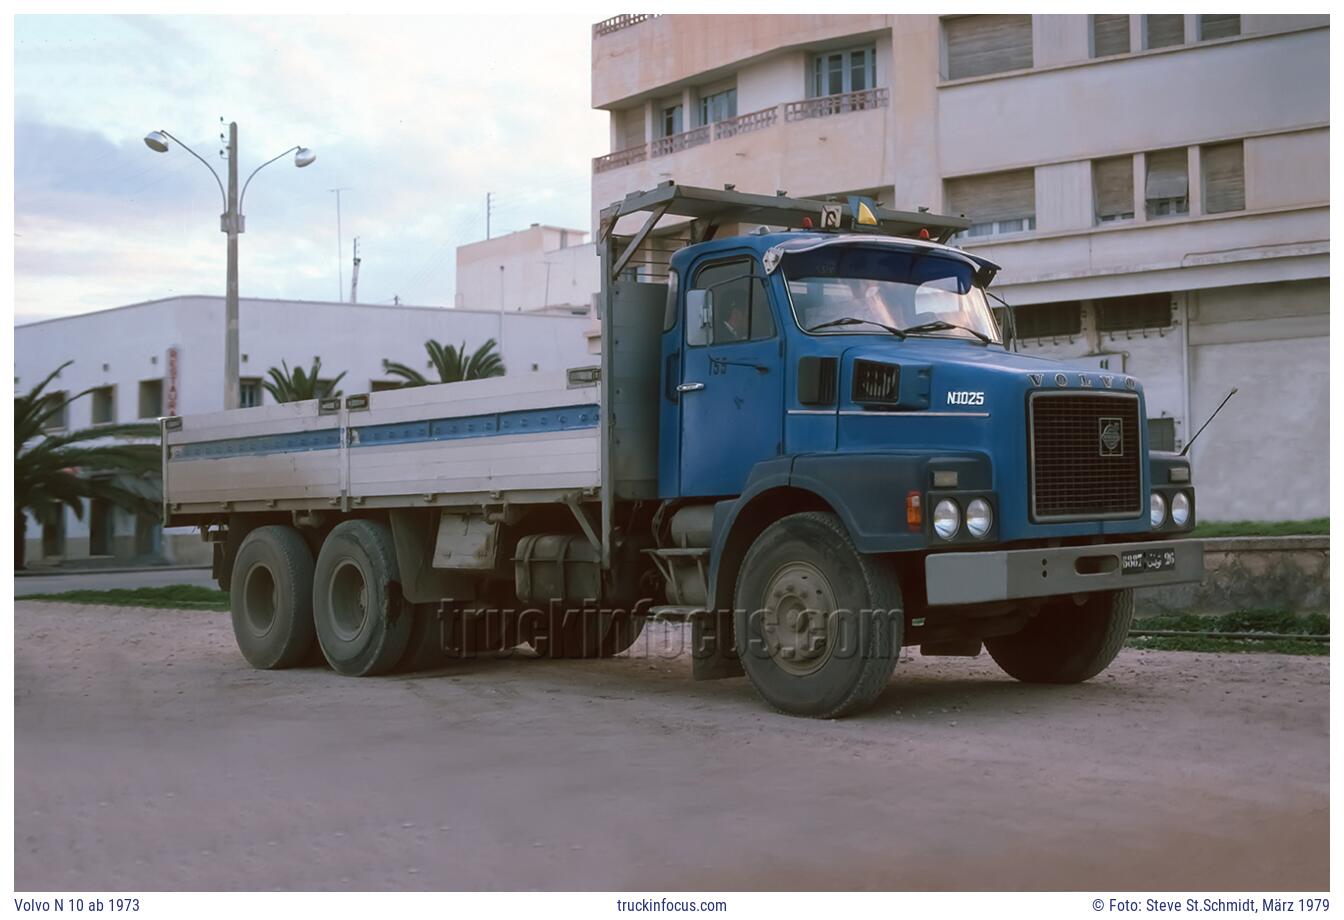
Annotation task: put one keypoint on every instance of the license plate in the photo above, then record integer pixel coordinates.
(1148, 560)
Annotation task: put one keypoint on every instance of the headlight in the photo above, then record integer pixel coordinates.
(946, 519)
(1180, 509)
(1157, 509)
(979, 517)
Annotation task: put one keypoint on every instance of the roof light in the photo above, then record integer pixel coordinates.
(923, 233)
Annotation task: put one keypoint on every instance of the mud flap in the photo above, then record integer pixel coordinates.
(713, 650)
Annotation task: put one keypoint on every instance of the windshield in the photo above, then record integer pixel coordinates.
(892, 287)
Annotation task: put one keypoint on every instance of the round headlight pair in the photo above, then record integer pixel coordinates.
(947, 518)
(1180, 509)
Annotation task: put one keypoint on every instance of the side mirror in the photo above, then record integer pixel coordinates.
(699, 316)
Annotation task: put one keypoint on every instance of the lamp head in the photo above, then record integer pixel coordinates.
(157, 141)
(302, 157)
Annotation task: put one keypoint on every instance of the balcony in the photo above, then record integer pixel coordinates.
(621, 158)
(662, 146)
(821, 107)
(742, 124)
(839, 104)
(617, 23)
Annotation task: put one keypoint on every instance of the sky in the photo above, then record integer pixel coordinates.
(418, 118)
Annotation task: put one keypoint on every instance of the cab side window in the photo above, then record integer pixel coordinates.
(741, 306)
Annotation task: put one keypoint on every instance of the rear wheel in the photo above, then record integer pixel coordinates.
(1067, 643)
(271, 597)
(818, 623)
(363, 623)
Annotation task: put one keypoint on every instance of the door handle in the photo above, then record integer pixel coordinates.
(689, 387)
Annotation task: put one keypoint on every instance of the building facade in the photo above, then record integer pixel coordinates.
(166, 357)
(1155, 186)
(554, 269)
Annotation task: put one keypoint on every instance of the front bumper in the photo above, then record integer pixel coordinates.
(974, 578)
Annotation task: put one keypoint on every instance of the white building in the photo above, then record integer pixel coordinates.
(166, 357)
(540, 268)
(1155, 186)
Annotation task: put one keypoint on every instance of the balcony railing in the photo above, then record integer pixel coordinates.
(742, 124)
(621, 158)
(752, 121)
(617, 23)
(662, 146)
(838, 104)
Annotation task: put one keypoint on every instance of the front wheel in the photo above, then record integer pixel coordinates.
(819, 624)
(1067, 643)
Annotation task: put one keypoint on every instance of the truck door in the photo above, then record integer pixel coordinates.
(731, 386)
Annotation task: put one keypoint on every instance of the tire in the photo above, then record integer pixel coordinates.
(363, 623)
(586, 634)
(271, 598)
(1067, 643)
(840, 658)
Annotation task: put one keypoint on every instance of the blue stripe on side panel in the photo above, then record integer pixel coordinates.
(527, 421)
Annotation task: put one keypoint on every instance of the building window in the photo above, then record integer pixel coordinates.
(980, 45)
(1220, 26)
(59, 419)
(1113, 188)
(249, 392)
(1164, 31)
(1166, 190)
(1141, 311)
(996, 203)
(1162, 434)
(104, 405)
(671, 120)
(53, 534)
(151, 399)
(849, 71)
(1110, 35)
(1047, 320)
(1224, 177)
(719, 106)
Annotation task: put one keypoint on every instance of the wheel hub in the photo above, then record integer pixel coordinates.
(798, 618)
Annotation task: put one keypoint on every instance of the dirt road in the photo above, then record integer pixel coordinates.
(148, 756)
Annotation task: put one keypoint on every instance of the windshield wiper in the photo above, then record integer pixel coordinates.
(938, 325)
(854, 321)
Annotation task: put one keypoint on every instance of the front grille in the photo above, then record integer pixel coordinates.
(1078, 467)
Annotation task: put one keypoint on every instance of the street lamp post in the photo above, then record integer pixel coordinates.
(231, 223)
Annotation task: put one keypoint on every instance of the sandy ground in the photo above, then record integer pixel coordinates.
(148, 756)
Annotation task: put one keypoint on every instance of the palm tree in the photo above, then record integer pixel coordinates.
(48, 468)
(292, 386)
(452, 364)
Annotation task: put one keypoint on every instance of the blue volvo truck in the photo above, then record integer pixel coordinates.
(810, 436)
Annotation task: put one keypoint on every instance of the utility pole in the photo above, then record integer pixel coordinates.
(231, 222)
(340, 249)
(354, 274)
(488, 208)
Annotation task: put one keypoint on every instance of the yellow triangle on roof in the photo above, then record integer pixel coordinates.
(865, 215)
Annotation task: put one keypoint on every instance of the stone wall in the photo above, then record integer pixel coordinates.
(1245, 573)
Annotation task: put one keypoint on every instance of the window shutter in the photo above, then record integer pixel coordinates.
(979, 45)
(1110, 35)
(999, 196)
(1221, 26)
(1113, 184)
(1224, 176)
(1167, 175)
(1166, 30)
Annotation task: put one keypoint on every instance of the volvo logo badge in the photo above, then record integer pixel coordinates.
(1111, 437)
(1036, 379)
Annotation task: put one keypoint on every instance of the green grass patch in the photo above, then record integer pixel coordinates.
(175, 597)
(1269, 622)
(1316, 527)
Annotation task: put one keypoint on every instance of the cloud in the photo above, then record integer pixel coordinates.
(418, 116)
